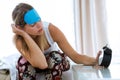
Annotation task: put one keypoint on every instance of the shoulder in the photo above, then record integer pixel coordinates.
(55, 32)
(52, 28)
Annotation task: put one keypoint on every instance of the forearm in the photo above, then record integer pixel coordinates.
(84, 59)
(87, 60)
(33, 47)
(36, 55)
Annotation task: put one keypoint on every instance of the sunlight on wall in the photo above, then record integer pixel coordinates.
(59, 12)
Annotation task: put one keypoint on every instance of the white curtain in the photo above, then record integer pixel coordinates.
(90, 26)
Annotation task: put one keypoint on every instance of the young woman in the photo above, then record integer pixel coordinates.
(34, 38)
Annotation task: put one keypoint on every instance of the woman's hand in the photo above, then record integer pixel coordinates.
(98, 55)
(97, 66)
(17, 30)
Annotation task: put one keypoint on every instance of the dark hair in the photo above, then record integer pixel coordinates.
(18, 13)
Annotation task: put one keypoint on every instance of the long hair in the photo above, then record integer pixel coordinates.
(18, 18)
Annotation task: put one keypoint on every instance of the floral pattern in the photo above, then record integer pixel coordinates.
(57, 63)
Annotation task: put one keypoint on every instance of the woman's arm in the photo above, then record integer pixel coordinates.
(62, 42)
(34, 55)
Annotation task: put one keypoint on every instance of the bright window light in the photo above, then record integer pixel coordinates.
(113, 25)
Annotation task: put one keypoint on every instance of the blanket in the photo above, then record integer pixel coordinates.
(8, 63)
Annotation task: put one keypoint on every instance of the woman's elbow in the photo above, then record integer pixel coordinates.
(45, 66)
(40, 66)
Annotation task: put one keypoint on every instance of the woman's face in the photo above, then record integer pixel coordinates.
(34, 29)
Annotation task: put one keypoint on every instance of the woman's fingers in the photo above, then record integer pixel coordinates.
(16, 29)
(12, 25)
(98, 55)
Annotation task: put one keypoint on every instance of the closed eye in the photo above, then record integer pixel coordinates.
(32, 25)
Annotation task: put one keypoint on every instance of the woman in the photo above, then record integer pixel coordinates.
(34, 38)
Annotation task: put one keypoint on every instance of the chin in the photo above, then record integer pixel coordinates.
(41, 32)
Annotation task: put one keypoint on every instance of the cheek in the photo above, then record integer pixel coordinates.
(30, 30)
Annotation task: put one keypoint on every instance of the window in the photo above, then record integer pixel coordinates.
(59, 12)
(113, 15)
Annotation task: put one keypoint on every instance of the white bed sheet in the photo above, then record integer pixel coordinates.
(9, 62)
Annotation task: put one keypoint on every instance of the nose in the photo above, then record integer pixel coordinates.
(38, 25)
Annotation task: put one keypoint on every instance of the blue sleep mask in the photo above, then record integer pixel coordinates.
(31, 17)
